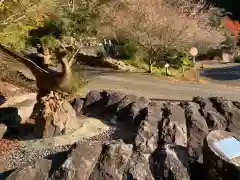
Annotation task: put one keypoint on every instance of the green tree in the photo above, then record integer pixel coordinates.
(79, 22)
(17, 18)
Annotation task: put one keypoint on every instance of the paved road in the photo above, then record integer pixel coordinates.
(224, 74)
(153, 87)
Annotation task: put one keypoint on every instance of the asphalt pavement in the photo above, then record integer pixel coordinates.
(228, 74)
(154, 88)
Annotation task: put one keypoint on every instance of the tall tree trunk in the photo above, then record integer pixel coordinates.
(150, 65)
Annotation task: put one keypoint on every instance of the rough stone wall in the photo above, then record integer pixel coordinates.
(156, 141)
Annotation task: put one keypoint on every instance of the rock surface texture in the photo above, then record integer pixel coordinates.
(54, 116)
(216, 164)
(3, 130)
(152, 141)
(22, 103)
(37, 170)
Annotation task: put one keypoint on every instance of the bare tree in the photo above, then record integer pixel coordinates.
(158, 26)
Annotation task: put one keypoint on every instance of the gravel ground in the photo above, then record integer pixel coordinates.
(25, 155)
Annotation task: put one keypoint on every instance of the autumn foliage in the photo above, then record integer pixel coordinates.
(232, 26)
(161, 26)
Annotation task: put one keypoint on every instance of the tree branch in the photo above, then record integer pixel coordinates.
(72, 60)
(73, 6)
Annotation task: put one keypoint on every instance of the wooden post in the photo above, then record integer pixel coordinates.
(183, 70)
(194, 52)
(150, 64)
(194, 61)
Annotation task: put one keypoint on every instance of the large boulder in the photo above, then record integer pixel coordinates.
(173, 127)
(77, 105)
(205, 105)
(95, 102)
(145, 143)
(54, 116)
(138, 167)
(37, 170)
(24, 105)
(131, 113)
(125, 102)
(25, 109)
(230, 112)
(80, 163)
(112, 162)
(214, 119)
(170, 163)
(114, 105)
(114, 98)
(220, 160)
(147, 136)
(197, 130)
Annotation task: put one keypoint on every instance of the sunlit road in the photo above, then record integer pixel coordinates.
(153, 87)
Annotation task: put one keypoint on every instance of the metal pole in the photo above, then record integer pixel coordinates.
(194, 61)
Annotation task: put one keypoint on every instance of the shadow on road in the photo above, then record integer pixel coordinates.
(222, 73)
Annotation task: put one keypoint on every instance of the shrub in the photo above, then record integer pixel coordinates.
(17, 18)
(130, 48)
(50, 42)
(186, 61)
(237, 59)
(15, 36)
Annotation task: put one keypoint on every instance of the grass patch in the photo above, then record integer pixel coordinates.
(172, 72)
(189, 73)
(237, 59)
(140, 64)
(160, 71)
(77, 83)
